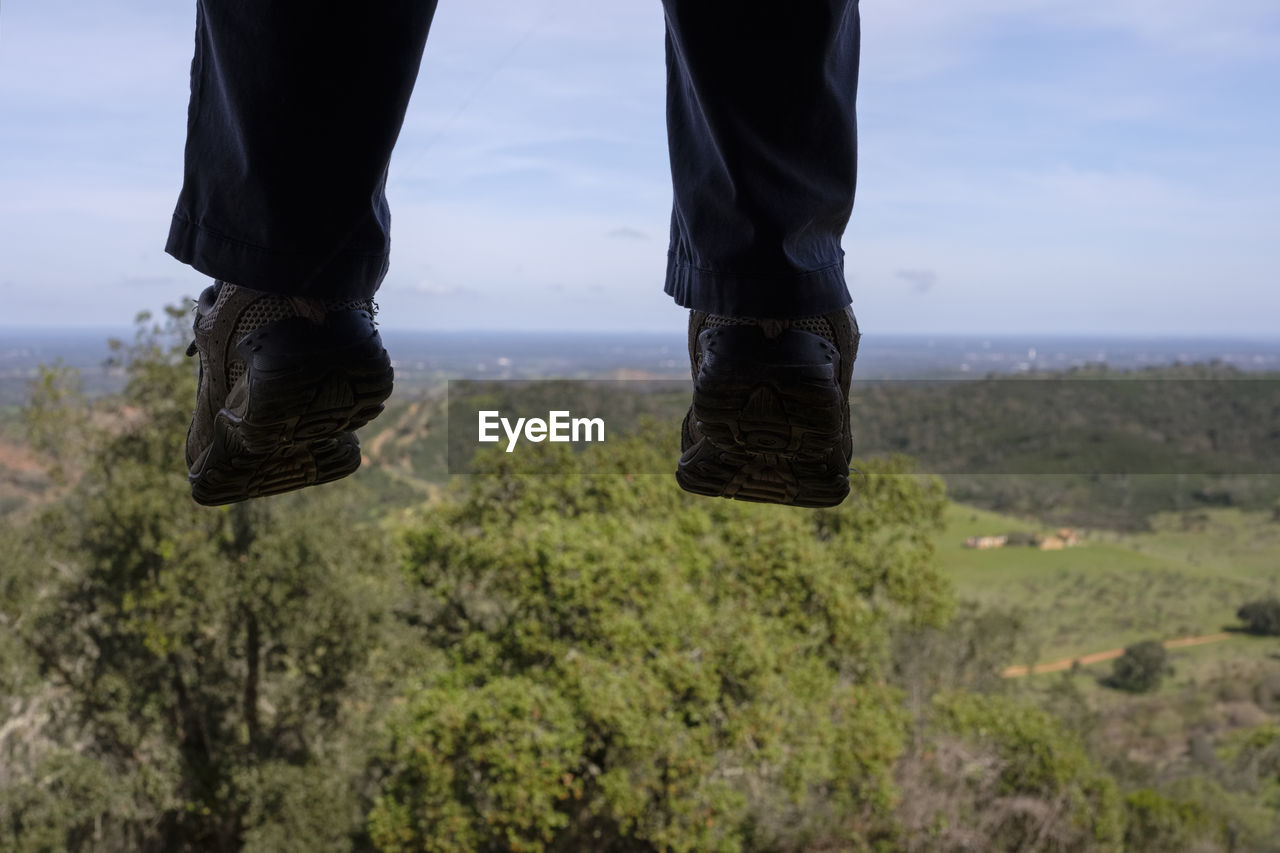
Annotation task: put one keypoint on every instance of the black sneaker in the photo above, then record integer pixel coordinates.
(770, 414)
(284, 382)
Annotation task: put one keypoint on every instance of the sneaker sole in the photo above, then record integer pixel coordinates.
(772, 420)
(305, 392)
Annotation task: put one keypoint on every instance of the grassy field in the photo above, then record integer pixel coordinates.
(1187, 576)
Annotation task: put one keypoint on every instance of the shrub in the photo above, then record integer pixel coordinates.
(1141, 668)
(992, 773)
(1156, 823)
(1261, 616)
(1254, 754)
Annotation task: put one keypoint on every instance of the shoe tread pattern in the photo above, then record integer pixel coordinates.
(768, 420)
(290, 421)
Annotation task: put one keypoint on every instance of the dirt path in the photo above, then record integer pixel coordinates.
(1109, 654)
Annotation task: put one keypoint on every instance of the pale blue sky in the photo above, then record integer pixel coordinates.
(1043, 166)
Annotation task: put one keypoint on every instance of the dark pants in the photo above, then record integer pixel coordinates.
(296, 105)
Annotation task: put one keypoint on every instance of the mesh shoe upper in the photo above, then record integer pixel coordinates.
(224, 314)
(838, 327)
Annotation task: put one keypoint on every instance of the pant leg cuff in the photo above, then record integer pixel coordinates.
(784, 297)
(318, 275)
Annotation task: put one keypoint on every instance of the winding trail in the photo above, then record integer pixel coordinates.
(1109, 654)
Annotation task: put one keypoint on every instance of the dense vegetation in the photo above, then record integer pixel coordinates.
(1089, 447)
(562, 658)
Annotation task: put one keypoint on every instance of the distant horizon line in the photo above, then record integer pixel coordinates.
(680, 332)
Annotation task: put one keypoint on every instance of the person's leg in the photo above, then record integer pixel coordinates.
(295, 107)
(760, 122)
(762, 135)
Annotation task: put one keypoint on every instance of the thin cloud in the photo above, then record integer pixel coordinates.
(626, 232)
(440, 289)
(921, 280)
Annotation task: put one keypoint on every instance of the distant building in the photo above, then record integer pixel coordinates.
(1068, 536)
(1051, 543)
(1065, 538)
(985, 542)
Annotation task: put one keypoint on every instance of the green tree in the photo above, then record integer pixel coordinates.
(196, 679)
(633, 668)
(1261, 616)
(1141, 668)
